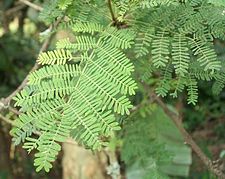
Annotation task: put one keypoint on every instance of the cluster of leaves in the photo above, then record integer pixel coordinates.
(177, 40)
(85, 82)
(76, 92)
(144, 148)
(150, 145)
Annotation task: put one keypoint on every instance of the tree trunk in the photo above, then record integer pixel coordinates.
(79, 163)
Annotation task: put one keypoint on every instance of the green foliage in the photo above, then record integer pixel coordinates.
(180, 55)
(154, 3)
(63, 4)
(150, 145)
(14, 59)
(179, 38)
(136, 147)
(87, 80)
(51, 11)
(142, 44)
(79, 96)
(58, 57)
(164, 85)
(160, 50)
(207, 56)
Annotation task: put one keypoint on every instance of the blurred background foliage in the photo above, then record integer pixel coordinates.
(20, 28)
(19, 47)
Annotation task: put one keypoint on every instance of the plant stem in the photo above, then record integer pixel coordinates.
(111, 12)
(6, 120)
(32, 5)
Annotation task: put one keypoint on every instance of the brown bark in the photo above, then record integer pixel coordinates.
(5, 163)
(79, 163)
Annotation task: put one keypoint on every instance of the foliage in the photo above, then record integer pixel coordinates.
(11, 63)
(181, 42)
(86, 82)
(151, 142)
(77, 96)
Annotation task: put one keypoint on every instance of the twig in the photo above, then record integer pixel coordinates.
(5, 102)
(111, 12)
(14, 9)
(30, 4)
(188, 139)
(13, 110)
(6, 120)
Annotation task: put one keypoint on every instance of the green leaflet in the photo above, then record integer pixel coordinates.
(207, 56)
(155, 3)
(164, 85)
(63, 4)
(160, 49)
(59, 57)
(89, 27)
(180, 55)
(192, 90)
(55, 72)
(142, 44)
(120, 39)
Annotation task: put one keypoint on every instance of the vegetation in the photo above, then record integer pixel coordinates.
(102, 84)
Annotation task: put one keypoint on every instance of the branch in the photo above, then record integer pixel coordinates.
(32, 5)
(5, 102)
(188, 139)
(111, 12)
(6, 120)
(14, 110)
(14, 9)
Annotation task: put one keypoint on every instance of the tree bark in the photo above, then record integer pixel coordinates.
(79, 163)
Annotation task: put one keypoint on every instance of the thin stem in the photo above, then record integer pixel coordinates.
(6, 120)
(111, 12)
(15, 9)
(13, 110)
(188, 139)
(32, 5)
